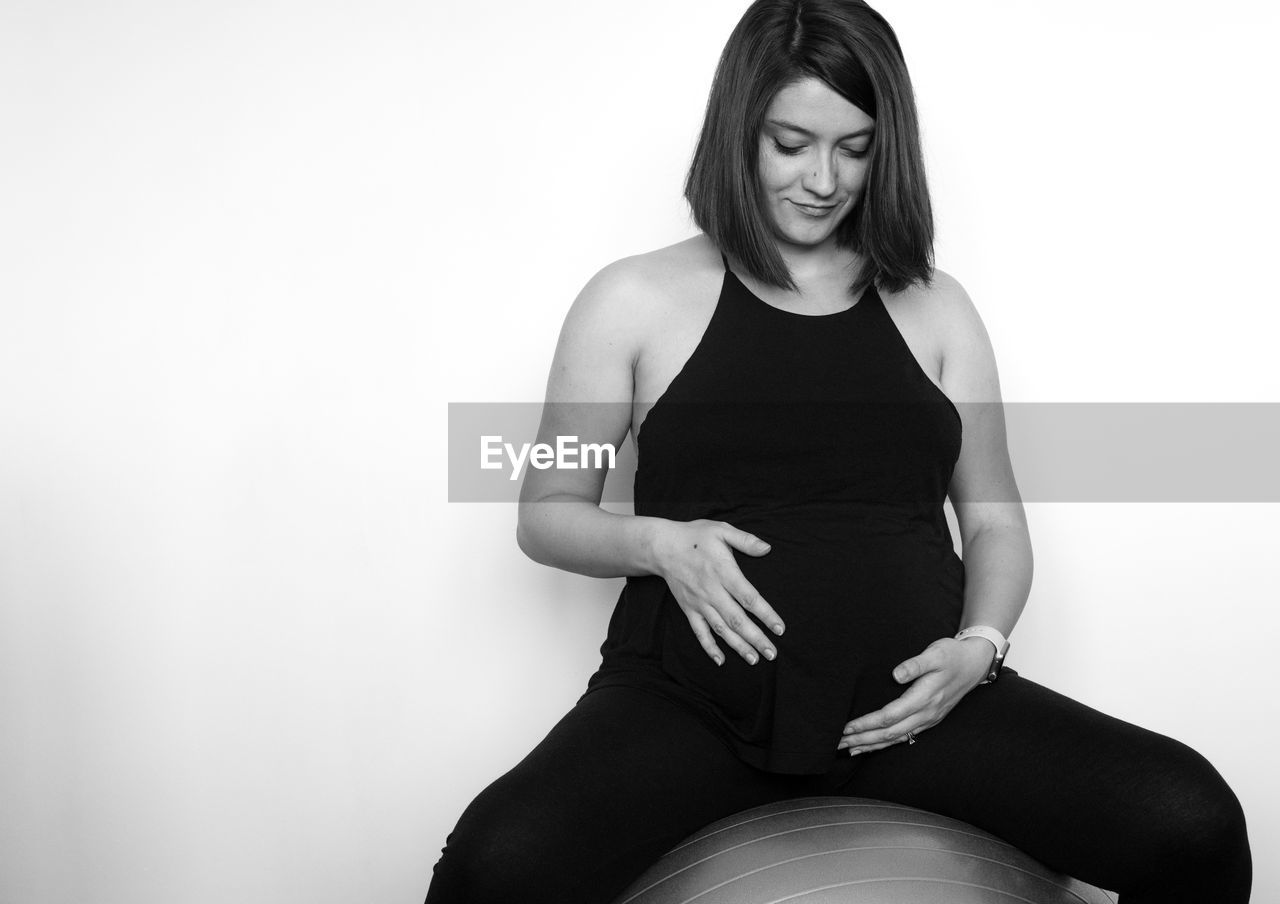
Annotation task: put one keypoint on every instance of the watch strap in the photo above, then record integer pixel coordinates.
(996, 639)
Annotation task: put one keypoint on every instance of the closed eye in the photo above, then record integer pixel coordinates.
(792, 151)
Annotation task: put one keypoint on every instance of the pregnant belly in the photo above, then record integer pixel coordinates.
(853, 610)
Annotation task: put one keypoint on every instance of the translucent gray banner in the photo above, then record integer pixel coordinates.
(1060, 451)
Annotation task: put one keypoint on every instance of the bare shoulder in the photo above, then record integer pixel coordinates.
(606, 310)
(655, 281)
(969, 371)
(941, 324)
(943, 310)
(942, 299)
(627, 299)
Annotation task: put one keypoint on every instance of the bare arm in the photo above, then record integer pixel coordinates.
(589, 393)
(993, 524)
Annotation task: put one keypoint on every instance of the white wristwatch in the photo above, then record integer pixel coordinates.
(997, 640)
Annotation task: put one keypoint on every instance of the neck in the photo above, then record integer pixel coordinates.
(810, 265)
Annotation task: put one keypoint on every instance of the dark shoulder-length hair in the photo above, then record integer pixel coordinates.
(851, 48)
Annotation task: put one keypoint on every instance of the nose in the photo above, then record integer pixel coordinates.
(822, 179)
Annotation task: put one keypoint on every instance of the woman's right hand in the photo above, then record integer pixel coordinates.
(696, 560)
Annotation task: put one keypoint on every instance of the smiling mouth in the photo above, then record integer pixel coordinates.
(814, 210)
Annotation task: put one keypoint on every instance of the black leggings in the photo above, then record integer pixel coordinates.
(627, 774)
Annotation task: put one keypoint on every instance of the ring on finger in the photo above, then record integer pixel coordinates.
(911, 737)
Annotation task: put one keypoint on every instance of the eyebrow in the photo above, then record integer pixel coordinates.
(782, 124)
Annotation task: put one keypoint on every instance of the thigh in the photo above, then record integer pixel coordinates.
(1091, 795)
(622, 778)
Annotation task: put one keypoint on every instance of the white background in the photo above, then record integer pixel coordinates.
(249, 252)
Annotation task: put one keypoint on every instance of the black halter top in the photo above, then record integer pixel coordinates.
(821, 435)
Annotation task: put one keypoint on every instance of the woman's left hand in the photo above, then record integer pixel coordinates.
(946, 671)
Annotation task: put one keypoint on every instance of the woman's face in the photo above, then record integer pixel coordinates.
(814, 148)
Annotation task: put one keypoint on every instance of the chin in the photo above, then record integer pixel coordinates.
(814, 235)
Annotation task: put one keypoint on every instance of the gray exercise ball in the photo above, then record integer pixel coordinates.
(850, 850)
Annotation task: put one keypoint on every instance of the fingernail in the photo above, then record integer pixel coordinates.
(752, 658)
(777, 629)
(769, 654)
(854, 751)
(718, 660)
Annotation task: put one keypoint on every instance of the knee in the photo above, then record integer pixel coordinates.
(1200, 822)
(496, 855)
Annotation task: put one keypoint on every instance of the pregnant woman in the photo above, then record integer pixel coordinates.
(805, 391)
